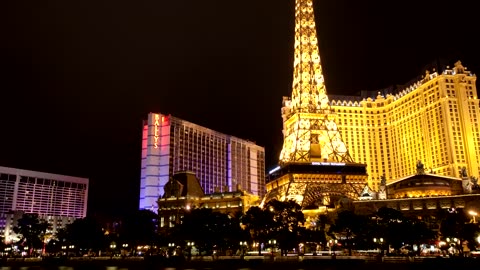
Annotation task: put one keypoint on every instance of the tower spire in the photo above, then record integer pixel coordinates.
(309, 128)
(309, 93)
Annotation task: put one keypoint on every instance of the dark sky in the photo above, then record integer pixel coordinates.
(78, 77)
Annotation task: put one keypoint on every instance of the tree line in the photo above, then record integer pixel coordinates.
(278, 225)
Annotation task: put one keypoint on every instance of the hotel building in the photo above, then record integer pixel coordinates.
(221, 162)
(435, 120)
(57, 199)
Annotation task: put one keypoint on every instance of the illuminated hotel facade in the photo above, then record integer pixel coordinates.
(435, 121)
(412, 150)
(221, 162)
(57, 199)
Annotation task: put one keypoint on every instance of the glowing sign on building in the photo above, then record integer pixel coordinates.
(156, 134)
(329, 163)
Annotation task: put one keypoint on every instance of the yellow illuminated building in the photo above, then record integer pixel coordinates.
(435, 121)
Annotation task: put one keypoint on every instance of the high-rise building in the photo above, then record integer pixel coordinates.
(221, 162)
(435, 120)
(57, 199)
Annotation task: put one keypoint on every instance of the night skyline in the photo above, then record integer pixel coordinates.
(77, 81)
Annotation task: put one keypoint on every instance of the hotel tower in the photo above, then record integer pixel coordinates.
(434, 120)
(57, 199)
(221, 162)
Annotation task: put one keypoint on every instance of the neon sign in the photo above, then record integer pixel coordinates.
(156, 134)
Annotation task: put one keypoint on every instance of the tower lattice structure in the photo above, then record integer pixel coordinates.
(309, 128)
(316, 168)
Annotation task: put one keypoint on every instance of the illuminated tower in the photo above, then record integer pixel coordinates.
(315, 166)
(309, 128)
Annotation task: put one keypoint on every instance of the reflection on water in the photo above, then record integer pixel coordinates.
(239, 264)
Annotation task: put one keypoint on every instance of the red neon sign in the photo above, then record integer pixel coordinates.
(156, 133)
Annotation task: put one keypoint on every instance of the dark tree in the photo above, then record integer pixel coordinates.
(53, 246)
(352, 228)
(455, 225)
(139, 228)
(418, 233)
(259, 223)
(316, 234)
(32, 231)
(208, 230)
(392, 228)
(85, 233)
(470, 233)
(287, 219)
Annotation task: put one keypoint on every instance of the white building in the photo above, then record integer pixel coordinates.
(57, 199)
(221, 162)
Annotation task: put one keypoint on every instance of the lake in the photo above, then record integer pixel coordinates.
(232, 263)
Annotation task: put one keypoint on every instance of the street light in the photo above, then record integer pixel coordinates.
(171, 247)
(473, 214)
(273, 243)
(243, 244)
(113, 246)
(190, 246)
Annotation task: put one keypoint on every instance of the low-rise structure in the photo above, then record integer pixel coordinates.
(184, 193)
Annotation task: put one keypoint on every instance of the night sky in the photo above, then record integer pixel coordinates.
(78, 77)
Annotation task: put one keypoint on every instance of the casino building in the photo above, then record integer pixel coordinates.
(435, 120)
(57, 199)
(222, 163)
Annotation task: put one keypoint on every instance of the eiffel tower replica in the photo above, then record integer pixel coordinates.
(315, 167)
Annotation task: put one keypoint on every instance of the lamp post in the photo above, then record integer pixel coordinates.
(190, 246)
(273, 243)
(171, 247)
(72, 247)
(381, 245)
(243, 245)
(124, 249)
(113, 246)
(256, 246)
